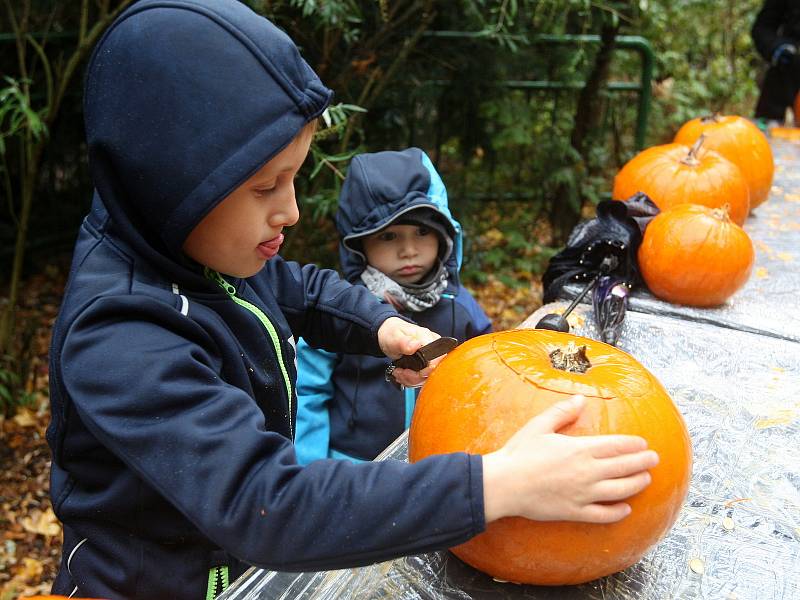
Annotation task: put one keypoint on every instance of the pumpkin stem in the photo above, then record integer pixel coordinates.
(723, 213)
(712, 118)
(572, 359)
(691, 158)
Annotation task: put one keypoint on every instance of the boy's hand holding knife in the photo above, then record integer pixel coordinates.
(415, 351)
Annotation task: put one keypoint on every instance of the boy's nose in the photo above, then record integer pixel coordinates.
(408, 248)
(287, 213)
(292, 212)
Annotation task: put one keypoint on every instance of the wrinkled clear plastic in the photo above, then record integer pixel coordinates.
(734, 374)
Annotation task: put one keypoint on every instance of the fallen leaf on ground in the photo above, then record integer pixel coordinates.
(42, 522)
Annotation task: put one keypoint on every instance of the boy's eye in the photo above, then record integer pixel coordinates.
(387, 236)
(263, 191)
(422, 230)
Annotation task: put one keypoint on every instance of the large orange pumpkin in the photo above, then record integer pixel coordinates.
(675, 174)
(695, 255)
(490, 386)
(742, 143)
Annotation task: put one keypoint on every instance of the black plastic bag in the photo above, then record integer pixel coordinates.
(604, 249)
(616, 231)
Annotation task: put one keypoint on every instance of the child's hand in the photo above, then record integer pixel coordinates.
(548, 476)
(398, 337)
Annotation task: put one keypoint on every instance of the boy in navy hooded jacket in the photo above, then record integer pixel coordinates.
(172, 374)
(399, 240)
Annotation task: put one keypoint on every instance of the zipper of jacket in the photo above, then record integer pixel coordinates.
(264, 319)
(217, 582)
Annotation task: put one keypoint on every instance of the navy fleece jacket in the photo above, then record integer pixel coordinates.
(346, 408)
(173, 394)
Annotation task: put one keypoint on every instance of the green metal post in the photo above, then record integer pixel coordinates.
(633, 42)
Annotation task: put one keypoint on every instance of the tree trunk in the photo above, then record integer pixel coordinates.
(564, 215)
(27, 185)
(587, 116)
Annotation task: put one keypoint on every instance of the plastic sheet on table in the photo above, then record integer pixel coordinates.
(738, 534)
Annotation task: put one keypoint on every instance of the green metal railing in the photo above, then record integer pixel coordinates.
(633, 43)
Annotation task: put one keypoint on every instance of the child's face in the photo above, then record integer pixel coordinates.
(244, 230)
(403, 252)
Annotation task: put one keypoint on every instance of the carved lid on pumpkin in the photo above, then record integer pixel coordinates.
(612, 373)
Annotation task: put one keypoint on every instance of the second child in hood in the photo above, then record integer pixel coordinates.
(400, 241)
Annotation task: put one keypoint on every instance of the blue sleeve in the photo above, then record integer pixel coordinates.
(314, 392)
(327, 311)
(479, 323)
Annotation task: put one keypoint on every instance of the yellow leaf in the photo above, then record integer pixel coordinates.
(42, 523)
(493, 237)
(762, 273)
(25, 418)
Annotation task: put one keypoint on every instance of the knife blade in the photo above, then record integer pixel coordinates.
(422, 357)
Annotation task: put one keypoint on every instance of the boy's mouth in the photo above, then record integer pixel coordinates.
(270, 248)
(410, 270)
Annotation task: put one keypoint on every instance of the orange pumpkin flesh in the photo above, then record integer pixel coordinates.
(490, 386)
(742, 143)
(674, 174)
(694, 255)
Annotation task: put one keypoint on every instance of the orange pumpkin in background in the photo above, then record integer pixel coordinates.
(695, 255)
(490, 386)
(742, 143)
(674, 174)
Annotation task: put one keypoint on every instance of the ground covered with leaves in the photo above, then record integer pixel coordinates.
(30, 534)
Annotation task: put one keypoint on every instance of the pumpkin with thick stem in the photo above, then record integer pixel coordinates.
(490, 386)
(695, 255)
(742, 143)
(674, 174)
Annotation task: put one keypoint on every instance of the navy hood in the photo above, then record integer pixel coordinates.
(380, 188)
(184, 101)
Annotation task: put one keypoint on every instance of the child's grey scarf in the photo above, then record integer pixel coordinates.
(414, 297)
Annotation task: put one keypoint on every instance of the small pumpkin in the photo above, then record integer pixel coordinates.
(742, 143)
(675, 174)
(695, 255)
(490, 386)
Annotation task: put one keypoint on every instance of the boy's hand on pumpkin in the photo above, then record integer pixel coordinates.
(397, 337)
(546, 476)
